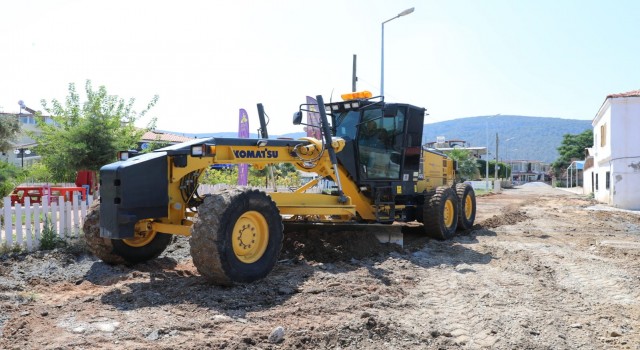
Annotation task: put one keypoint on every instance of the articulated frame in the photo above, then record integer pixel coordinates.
(306, 154)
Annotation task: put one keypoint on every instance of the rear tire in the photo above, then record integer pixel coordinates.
(237, 236)
(133, 251)
(440, 216)
(467, 199)
(148, 245)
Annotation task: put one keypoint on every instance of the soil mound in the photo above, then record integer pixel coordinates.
(506, 218)
(322, 246)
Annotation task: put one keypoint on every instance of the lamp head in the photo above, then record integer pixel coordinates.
(406, 12)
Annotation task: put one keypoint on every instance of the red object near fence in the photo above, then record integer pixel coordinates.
(35, 194)
(86, 178)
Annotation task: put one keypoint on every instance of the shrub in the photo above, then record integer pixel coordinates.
(50, 239)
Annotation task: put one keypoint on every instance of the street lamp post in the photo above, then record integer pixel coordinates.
(506, 150)
(511, 164)
(403, 13)
(486, 182)
(22, 152)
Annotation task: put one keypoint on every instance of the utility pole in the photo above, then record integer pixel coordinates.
(496, 165)
(354, 77)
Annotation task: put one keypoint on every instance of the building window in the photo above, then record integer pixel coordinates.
(608, 179)
(596, 182)
(603, 135)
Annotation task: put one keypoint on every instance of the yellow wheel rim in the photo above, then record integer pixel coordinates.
(468, 207)
(250, 237)
(143, 235)
(448, 213)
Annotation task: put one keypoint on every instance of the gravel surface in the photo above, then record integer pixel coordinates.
(541, 269)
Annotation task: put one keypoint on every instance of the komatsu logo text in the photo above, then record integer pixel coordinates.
(255, 154)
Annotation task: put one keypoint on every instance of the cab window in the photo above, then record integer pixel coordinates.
(380, 141)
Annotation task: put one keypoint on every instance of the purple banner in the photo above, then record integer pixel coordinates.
(243, 132)
(313, 119)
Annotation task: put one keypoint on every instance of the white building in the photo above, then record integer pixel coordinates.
(23, 152)
(614, 177)
(528, 171)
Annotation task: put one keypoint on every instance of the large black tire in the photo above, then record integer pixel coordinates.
(237, 236)
(467, 200)
(440, 216)
(116, 251)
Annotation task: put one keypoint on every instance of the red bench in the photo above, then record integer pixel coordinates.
(35, 194)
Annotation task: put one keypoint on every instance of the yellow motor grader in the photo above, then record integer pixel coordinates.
(370, 149)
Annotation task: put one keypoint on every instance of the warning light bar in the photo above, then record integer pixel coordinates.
(356, 95)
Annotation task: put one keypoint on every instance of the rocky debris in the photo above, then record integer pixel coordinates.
(277, 335)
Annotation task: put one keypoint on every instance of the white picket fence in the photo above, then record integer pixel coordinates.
(23, 225)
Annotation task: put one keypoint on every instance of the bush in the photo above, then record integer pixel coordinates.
(5, 249)
(9, 177)
(50, 239)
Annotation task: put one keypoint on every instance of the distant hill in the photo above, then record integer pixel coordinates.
(532, 138)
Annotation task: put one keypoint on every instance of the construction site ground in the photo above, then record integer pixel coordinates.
(542, 269)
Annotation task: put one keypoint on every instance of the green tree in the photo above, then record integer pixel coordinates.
(87, 134)
(220, 176)
(467, 164)
(285, 174)
(9, 177)
(9, 129)
(258, 177)
(38, 172)
(571, 148)
(504, 170)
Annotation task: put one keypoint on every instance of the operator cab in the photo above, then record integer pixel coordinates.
(383, 140)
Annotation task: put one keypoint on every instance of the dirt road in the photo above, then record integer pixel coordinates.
(543, 269)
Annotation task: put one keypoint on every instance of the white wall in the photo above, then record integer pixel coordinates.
(586, 181)
(625, 158)
(620, 155)
(602, 153)
(625, 180)
(626, 126)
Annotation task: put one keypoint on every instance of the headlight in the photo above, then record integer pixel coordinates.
(204, 150)
(197, 150)
(123, 155)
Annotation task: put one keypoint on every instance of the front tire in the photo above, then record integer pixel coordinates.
(146, 244)
(237, 236)
(440, 216)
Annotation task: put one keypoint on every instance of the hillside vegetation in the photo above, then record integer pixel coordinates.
(532, 138)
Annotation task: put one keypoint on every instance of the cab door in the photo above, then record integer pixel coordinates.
(381, 143)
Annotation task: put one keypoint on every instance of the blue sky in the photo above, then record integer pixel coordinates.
(207, 59)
